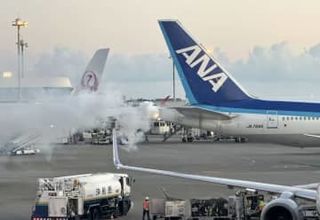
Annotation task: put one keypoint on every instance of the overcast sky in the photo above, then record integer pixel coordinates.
(269, 46)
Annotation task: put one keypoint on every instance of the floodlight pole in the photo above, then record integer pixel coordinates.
(23, 45)
(19, 23)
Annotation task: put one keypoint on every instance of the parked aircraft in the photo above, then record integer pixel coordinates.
(218, 103)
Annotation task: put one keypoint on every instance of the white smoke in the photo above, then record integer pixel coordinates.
(54, 118)
(135, 121)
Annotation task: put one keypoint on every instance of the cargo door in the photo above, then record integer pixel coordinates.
(272, 119)
(219, 128)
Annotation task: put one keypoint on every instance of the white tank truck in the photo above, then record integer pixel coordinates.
(87, 196)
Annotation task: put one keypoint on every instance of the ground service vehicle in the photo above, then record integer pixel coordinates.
(87, 196)
(244, 205)
(193, 209)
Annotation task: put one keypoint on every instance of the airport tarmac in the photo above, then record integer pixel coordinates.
(259, 162)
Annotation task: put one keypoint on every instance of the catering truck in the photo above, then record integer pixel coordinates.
(86, 196)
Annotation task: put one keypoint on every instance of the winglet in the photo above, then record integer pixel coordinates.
(116, 159)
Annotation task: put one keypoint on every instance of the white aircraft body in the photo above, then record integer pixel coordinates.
(218, 103)
(284, 207)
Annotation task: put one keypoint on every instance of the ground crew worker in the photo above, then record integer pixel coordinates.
(146, 208)
(261, 203)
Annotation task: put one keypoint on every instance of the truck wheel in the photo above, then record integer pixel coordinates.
(116, 214)
(94, 214)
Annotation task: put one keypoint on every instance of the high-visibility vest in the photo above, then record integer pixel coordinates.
(261, 205)
(146, 205)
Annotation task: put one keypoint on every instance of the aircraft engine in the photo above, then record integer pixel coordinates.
(282, 209)
(318, 198)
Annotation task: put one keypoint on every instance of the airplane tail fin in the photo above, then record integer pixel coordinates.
(164, 101)
(204, 80)
(91, 78)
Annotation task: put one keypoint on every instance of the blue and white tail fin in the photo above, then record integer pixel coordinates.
(204, 80)
(91, 77)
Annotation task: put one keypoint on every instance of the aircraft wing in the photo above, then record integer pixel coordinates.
(272, 188)
(312, 135)
(198, 112)
(309, 186)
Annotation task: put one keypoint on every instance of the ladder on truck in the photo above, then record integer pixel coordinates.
(176, 130)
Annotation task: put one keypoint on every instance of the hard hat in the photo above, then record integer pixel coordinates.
(147, 198)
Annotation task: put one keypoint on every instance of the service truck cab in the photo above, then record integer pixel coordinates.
(90, 196)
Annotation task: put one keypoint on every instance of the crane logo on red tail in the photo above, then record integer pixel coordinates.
(90, 81)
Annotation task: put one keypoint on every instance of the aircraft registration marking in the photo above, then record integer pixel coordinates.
(255, 126)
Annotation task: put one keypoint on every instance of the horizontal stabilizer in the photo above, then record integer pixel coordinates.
(198, 112)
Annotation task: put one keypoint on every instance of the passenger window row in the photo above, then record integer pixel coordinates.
(291, 118)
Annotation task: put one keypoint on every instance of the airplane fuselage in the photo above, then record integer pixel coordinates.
(290, 123)
(219, 103)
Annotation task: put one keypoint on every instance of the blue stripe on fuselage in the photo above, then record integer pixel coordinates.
(256, 106)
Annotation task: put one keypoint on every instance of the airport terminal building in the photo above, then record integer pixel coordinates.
(34, 88)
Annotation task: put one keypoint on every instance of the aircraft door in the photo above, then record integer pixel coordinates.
(219, 129)
(272, 119)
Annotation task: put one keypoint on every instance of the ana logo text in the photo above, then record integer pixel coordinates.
(204, 71)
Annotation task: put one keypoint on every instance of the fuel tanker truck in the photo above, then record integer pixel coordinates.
(86, 196)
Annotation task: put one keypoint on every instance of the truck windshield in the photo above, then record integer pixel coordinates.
(128, 182)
